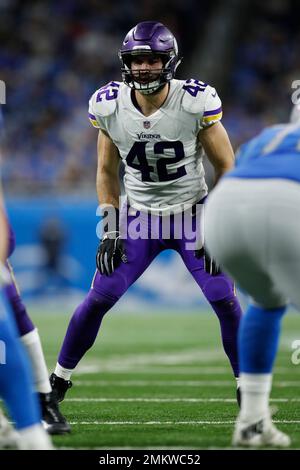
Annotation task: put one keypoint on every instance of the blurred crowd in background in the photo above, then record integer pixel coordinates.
(266, 60)
(54, 54)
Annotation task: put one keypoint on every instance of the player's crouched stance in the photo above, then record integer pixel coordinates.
(252, 228)
(160, 127)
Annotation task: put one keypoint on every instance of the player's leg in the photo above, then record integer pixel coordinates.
(53, 420)
(245, 250)
(104, 293)
(29, 335)
(16, 387)
(258, 342)
(219, 291)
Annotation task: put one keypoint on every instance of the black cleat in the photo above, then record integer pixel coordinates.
(53, 421)
(238, 396)
(59, 387)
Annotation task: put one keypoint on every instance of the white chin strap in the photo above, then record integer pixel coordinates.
(147, 88)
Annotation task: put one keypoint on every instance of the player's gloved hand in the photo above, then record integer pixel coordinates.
(110, 253)
(210, 265)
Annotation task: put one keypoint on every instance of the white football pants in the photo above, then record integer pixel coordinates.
(252, 229)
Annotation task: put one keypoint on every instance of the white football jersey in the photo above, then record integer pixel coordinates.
(161, 152)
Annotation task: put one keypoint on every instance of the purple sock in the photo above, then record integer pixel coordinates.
(24, 323)
(83, 328)
(229, 313)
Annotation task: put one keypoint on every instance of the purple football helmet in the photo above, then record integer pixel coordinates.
(149, 37)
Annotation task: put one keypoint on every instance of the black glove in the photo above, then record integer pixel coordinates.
(210, 265)
(110, 253)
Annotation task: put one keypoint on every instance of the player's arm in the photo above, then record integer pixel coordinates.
(111, 249)
(108, 184)
(217, 146)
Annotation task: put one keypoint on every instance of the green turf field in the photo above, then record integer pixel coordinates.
(162, 381)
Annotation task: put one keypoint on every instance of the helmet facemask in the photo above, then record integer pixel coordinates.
(148, 81)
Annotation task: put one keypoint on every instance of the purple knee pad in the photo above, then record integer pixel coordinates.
(218, 288)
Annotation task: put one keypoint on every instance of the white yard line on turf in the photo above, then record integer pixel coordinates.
(169, 423)
(191, 369)
(173, 383)
(164, 370)
(187, 356)
(147, 383)
(169, 400)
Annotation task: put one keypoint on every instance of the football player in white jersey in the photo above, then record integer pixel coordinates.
(159, 127)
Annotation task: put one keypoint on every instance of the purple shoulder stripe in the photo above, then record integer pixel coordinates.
(213, 112)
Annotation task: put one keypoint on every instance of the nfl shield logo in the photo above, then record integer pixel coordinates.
(147, 124)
